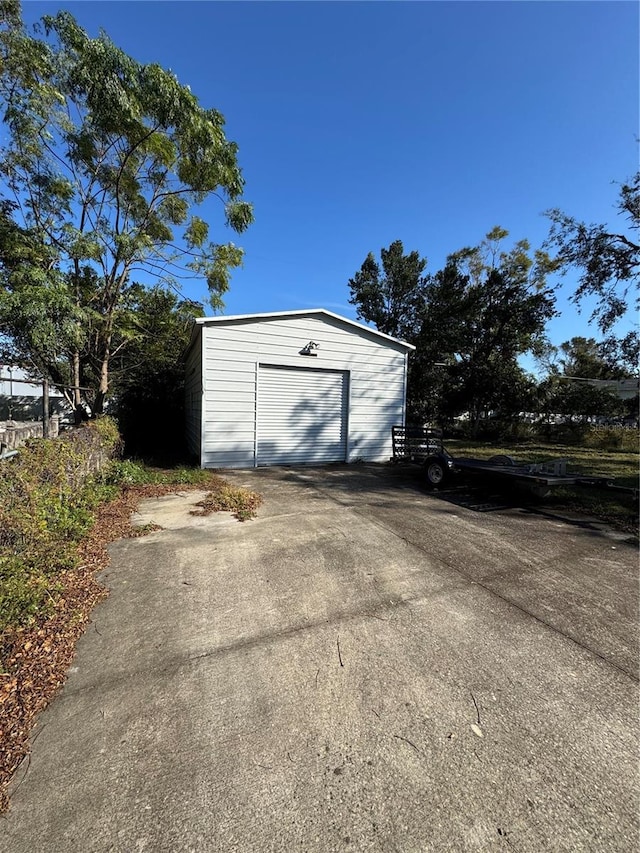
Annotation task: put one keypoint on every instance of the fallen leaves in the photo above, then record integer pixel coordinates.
(35, 659)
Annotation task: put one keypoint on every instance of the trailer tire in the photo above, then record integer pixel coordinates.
(540, 491)
(502, 460)
(436, 471)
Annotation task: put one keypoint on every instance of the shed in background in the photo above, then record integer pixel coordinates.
(292, 388)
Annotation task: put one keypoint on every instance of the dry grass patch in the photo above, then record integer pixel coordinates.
(224, 497)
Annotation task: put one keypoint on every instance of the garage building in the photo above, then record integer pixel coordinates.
(292, 388)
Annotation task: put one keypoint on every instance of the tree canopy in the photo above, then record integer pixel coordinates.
(469, 322)
(588, 358)
(390, 297)
(106, 163)
(608, 260)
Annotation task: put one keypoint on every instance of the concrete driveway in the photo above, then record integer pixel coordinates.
(363, 667)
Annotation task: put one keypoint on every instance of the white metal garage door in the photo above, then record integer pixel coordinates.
(302, 416)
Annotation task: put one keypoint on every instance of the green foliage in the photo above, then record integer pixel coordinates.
(129, 472)
(469, 322)
(588, 358)
(106, 163)
(107, 431)
(125, 472)
(577, 400)
(481, 312)
(392, 297)
(47, 497)
(148, 374)
(608, 259)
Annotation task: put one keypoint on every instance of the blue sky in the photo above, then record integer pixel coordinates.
(362, 123)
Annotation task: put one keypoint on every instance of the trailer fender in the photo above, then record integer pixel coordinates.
(502, 460)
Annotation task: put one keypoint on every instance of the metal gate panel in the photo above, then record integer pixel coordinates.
(301, 416)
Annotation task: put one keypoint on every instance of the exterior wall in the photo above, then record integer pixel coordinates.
(233, 351)
(625, 389)
(193, 397)
(21, 399)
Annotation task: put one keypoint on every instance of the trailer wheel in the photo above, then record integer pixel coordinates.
(436, 471)
(540, 491)
(502, 460)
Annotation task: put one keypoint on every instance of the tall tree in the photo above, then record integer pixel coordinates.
(390, 296)
(566, 389)
(106, 163)
(487, 307)
(608, 259)
(36, 307)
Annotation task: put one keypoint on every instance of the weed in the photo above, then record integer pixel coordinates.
(223, 497)
(48, 495)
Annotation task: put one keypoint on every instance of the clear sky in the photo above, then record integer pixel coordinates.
(429, 122)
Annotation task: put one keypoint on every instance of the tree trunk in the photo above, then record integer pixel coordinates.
(45, 408)
(103, 388)
(76, 379)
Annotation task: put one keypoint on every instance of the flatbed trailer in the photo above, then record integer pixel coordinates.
(423, 446)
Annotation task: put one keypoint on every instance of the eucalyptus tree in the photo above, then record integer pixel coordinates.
(105, 166)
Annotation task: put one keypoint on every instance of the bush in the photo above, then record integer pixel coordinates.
(612, 438)
(47, 497)
(127, 472)
(573, 434)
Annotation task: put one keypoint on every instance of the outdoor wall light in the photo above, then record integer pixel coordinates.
(307, 349)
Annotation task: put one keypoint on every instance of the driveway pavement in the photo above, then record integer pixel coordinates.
(363, 667)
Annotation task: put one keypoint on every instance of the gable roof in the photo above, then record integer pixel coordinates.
(306, 312)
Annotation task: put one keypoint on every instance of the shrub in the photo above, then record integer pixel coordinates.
(612, 438)
(127, 472)
(47, 497)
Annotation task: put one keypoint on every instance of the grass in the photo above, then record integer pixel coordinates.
(619, 509)
(221, 496)
(133, 472)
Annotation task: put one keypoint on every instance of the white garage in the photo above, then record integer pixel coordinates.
(292, 388)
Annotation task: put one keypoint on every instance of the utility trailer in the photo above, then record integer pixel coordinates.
(423, 446)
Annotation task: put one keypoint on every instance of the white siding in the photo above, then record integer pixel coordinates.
(232, 352)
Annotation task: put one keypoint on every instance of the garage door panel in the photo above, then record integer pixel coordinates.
(302, 416)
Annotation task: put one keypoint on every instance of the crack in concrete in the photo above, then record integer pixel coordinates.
(548, 625)
(256, 641)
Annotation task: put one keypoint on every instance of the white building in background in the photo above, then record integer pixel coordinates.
(626, 389)
(292, 387)
(21, 397)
